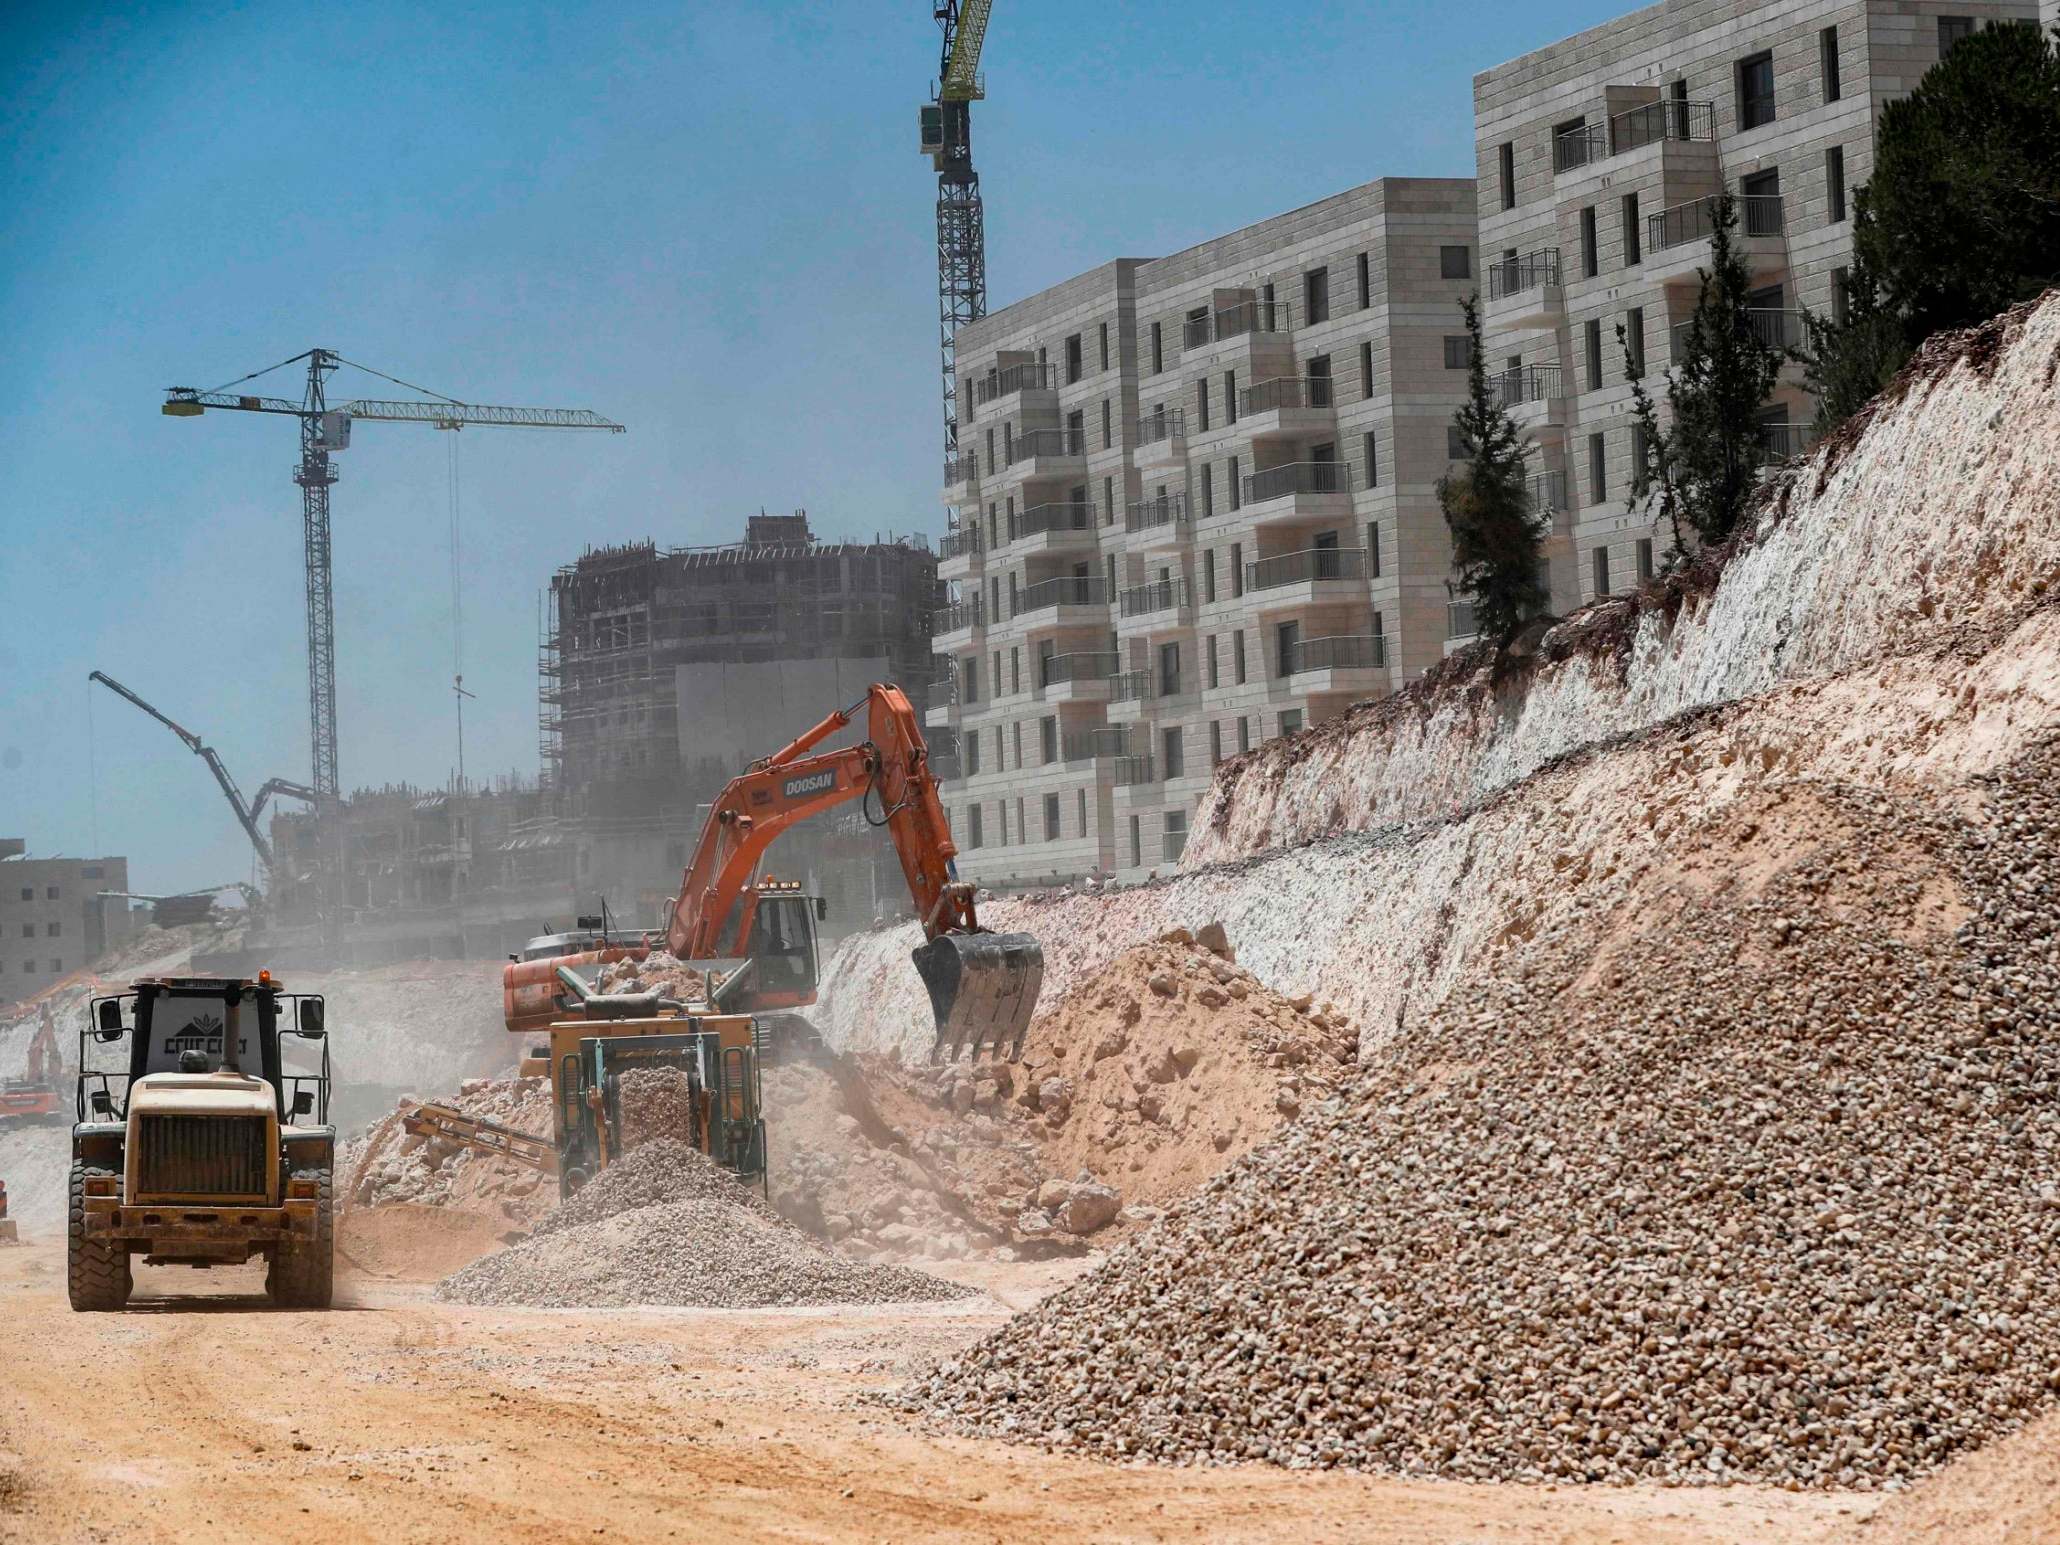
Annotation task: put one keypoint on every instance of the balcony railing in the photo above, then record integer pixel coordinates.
(1171, 846)
(1095, 744)
(1297, 477)
(960, 614)
(1047, 442)
(1150, 514)
(1459, 621)
(1130, 771)
(1162, 423)
(1525, 383)
(1342, 652)
(1066, 590)
(1759, 214)
(1132, 687)
(1289, 392)
(960, 543)
(1013, 378)
(961, 469)
(1785, 442)
(1306, 567)
(1054, 670)
(1513, 276)
(1042, 518)
(1548, 493)
(1159, 596)
(1250, 316)
(1777, 330)
(1575, 148)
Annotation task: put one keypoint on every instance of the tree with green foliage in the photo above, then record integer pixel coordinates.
(1961, 219)
(1496, 536)
(1703, 472)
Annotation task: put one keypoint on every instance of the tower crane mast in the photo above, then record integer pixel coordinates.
(947, 133)
(323, 432)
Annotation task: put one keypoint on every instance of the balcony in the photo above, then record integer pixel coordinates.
(1548, 493)
(1067, 593)
(1286, 407)
(1041, 453)
(1675, 238)
(1094, 745)
(961, 478)
(1348, 662)
(1011, 381)
(959, 618)
(1527, 291)
(1784, 442)
(1310, 577)
(1131, 772)
(1160, 438)
(1534, 395)
(1459, 621)
(1161, 521)
(1777, 330)
(959, 550)
(1058, 526)
(1241, 319)
(1077, 678)
(1165, 595)
(1650, 124)
(1299, 490)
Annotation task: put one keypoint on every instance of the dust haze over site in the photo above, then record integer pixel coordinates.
(711, 225)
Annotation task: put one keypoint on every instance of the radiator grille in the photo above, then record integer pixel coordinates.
(200, 1156)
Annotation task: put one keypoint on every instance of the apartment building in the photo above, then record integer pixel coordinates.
(54, 918)
(1599, 160)
(1195, 508)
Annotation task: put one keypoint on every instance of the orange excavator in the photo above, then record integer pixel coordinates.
(754, 939)
(36, 1097)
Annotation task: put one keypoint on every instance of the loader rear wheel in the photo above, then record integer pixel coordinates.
(96, 1273)
(303, 1274)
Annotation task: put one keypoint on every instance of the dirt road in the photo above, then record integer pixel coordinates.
(395, 1418)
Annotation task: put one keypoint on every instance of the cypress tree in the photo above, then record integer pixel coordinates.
(1496, 538)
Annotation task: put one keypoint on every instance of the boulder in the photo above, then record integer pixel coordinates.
(1091, 1206)
(1053, 1194)
(1033, 1223)
(1211, 937)
(1162, 983)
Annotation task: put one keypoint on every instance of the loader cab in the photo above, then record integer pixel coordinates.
(207, 1025)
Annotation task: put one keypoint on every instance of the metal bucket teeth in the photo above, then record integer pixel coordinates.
(983, 989)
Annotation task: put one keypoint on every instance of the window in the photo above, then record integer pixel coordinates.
(1105, 345)
(1048, 736)
(1634, 340)
(1759, 197)
(1169, 670)
(1136, 843)
(1592, 347)
(1641, 449)
(1827, 56)
(1455, 443)
(1244, 733)
(1633, 253)
(1318, 382)
(1365, 370)
(969, 670)
(1507, 158)
(1291, 721)
(1237, 495)
(973, 760)
(1645, 557)
(1373, 549)
(1202, 404)
(1951, 29)
(1209, 577)
(1591, 256)
(1237, 669)
(1365, 281)
(1108, 426)
(1316, 296)
(1756, 91)
(972, 826)
(1051, 818)
(1237, 572)
(1208, 492)
(52, 930)
(1108, 501)
(92, 872)
(1287, 640)
(28, 965)
(28, 893)
(1598, 482)
(1083, 812)
(1016, 739)
(28, 930)
(1370, 453)
(1074, 365)
(1211, 663)
(1158, 350)
(1455, 262)
(1601, 571)
(1841, 295)
(1001, 820)
(1171, 743)
(1834, 182)
(1215, 741)
(50, 893)
(1230, 399)
(1458, 351)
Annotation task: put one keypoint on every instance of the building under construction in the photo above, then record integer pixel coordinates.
(665, 670)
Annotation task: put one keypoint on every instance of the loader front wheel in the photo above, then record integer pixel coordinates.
(303, 1274)
(96, 1273)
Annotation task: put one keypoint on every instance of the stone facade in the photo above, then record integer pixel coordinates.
(1195, 508)
(1596, 157)
(53, 920)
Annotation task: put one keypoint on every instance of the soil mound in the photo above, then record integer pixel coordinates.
(2007, 1494)
(1750, 1178)
(669, 1227)
(406, 1242)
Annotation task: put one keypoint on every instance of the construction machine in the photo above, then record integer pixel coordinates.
(199, 1141)
(35, 1097)
(754, 938)
(8, 1235)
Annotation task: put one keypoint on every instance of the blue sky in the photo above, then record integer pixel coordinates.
(709, 222)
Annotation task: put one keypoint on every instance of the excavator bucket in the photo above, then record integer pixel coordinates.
(983, 989)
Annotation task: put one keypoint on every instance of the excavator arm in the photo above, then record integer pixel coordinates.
(982, 986)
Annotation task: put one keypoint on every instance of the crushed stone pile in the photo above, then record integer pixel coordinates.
(659, 972)
(656, 1103)
(385, 1164)
(666, 1226)
(1750, 1176)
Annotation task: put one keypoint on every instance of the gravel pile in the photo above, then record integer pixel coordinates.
(665, 1225)
(1755, 1180)
(657, 1104)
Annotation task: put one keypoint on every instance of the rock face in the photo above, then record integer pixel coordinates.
(1672, 1193)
